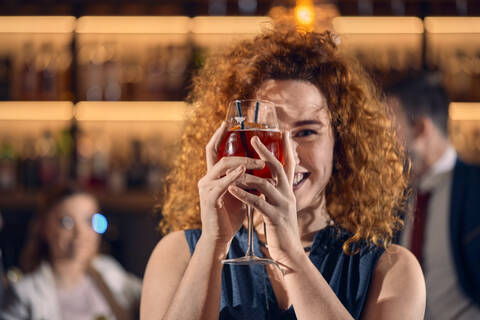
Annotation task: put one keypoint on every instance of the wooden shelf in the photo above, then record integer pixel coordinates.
(137, 202)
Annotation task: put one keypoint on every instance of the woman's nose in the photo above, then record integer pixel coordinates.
(80, 229)
(294, 145)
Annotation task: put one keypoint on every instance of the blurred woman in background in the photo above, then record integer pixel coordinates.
(65, 276)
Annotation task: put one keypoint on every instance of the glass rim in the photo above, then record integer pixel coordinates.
(266, 106)
(253, 100)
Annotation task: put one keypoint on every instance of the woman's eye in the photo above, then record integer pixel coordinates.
(304, 133)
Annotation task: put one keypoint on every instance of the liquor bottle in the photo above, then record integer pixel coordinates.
(94, 73)
(64, 63)
(177, 62)
(155, 165)
(28, 89)
(155, 175)
(65, 147)
(47, 72)
(98, 178)
(112, 72)
(8, 170)
(132, 77)
(155, 74)
(5, 75)
(48, 161)
(29, 165)
(136, 172)
(117, 177)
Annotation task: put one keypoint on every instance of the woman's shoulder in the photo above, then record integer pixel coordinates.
(173, 246)
(397, 285)
(26, 295)
(398, 262)
(178, 238)
(40, 278)
(397, 258)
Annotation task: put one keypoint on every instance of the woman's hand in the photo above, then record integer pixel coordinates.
(221, 213)
(278, 205)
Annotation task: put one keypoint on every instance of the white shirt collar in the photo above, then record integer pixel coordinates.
(445, 164)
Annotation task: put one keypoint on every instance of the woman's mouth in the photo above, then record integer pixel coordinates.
(299, 178)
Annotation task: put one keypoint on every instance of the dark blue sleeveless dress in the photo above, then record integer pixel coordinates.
(247, 292)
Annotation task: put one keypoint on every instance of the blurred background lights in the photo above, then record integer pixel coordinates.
(304, 13)
(99, 223)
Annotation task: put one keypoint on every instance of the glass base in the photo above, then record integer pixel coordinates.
(248, 260)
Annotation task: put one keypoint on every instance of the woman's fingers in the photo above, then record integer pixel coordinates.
(222, 184)
(224, 165)
(263, 186)
(275, 166)
(218, 187)
(290, 161)
(213, 144)
(250, 199)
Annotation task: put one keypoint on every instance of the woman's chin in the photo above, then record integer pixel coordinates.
(301, 201)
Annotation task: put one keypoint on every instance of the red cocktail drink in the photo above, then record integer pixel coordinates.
(237, 143)
(246, 119)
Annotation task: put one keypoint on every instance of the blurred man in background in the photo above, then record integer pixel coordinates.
(443, 229)
(2, 281)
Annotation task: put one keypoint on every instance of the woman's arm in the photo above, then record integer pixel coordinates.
(310, 294)
(397, 290)
(177, 286)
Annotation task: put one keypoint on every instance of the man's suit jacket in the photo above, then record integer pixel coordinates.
(465, 227)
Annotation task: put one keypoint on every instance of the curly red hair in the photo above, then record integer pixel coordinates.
(368, 181)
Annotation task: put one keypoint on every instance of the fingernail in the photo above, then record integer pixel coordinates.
(239, 169)
(233, 188)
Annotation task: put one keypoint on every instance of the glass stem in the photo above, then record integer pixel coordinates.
(265, 235)
(250, 251)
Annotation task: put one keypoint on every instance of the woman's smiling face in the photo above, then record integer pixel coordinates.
(302, 110)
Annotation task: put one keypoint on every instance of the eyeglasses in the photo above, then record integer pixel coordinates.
(98, 222)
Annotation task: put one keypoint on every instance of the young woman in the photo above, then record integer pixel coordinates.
(329, 212)
(65, 277)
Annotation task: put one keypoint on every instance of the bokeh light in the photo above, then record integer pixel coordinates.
(304, 14)
(99, 223)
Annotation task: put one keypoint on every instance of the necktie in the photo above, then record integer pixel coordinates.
(419, 222)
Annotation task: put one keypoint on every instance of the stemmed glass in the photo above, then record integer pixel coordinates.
(245, 119)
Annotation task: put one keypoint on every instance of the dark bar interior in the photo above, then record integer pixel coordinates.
(96, 92)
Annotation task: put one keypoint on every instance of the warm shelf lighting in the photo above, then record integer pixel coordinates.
(229, 25)
(36, 111)
(131, 111)
(377, 25)
(452, 24)
(133, 25)
(464, 111)
(37, 24)
(305, 13)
